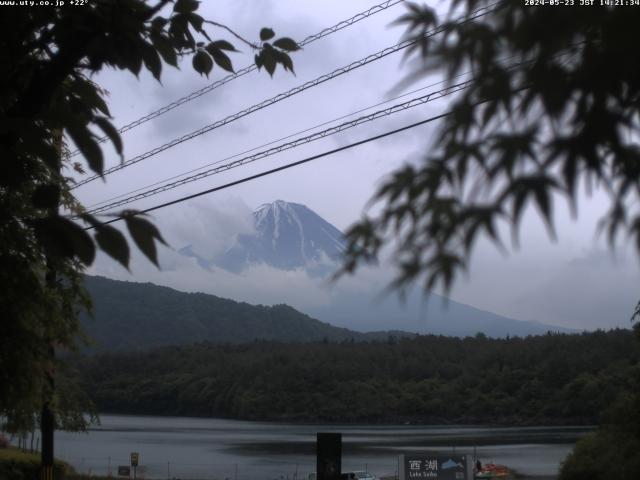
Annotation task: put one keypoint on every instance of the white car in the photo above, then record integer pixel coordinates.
(362, 475)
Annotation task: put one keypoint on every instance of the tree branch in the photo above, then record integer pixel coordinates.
(239, 37)
(156, 9)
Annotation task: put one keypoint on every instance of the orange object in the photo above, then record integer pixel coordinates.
(491, 470)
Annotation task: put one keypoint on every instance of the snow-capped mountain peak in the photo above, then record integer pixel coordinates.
(287, 236)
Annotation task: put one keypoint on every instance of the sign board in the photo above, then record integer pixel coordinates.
(436, 467)
(124, 471)
(134, 459)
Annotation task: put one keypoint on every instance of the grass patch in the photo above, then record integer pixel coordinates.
(19, 465)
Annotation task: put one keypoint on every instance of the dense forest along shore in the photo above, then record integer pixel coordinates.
(554, 379)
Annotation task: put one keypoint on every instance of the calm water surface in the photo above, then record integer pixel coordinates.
(197, 448)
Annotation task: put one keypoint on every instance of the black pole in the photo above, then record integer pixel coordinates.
(47, 419)
(47, 428)
(329, 456)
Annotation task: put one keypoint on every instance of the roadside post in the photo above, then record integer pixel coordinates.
(135, 457)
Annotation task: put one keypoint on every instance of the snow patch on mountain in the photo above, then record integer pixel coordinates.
(287, 236)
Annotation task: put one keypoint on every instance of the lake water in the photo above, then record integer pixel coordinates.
(199, 448)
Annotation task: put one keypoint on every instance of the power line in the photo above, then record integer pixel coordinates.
(265, 103)
(272, 142)
(414, 102)
(279, 169)
(248, 69)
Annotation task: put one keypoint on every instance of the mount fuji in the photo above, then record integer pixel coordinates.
(287, 236)
(290, 236)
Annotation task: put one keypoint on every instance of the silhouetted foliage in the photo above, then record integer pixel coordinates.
(553, 105)
(46, 97)
(613, 451)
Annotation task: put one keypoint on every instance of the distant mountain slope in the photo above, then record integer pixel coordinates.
(425, 316)
(134, 316)
(290, 236)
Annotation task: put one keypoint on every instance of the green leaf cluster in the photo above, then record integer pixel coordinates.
(277, 52)
(553, 105)
(213, 53)
(613, 451)
(47, 99)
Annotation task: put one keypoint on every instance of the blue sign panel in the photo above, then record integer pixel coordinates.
(435, 467)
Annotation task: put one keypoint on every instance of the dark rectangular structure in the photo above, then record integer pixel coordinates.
(329, 456)
(124, 471)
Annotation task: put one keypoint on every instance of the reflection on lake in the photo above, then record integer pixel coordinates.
(202, 448)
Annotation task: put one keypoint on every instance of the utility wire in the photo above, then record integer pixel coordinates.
(112, 203)
(248, 69)
(305, 86)
(272, 142)
(279, 169)
(414, 102)
(245, 152)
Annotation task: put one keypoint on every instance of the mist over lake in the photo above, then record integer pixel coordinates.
(204, 448)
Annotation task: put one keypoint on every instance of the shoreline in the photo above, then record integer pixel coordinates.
(399, 423)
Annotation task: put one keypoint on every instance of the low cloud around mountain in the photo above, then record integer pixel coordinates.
(285, 236)
(284, 253)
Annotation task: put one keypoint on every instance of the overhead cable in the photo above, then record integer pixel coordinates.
(166, 180)
(281, 168)
(272, 142)
(259, 106)
(414, 102)
(248, 69)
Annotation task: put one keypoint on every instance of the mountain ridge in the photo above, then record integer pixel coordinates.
(137, 316)
(434, 315)
(290, 236)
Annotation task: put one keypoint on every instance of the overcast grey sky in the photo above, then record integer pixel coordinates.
(574, 282)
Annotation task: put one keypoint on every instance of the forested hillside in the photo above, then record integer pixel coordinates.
(551, 379)
(135, 316)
